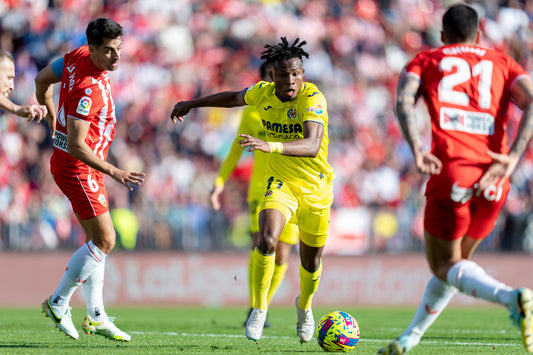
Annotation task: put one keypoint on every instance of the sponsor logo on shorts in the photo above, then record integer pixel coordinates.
(84, 106)
(268, 193)
(463, 194)
(102, 200)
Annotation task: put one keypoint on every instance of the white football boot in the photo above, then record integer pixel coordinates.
(305, 327)
(61, 317)
(522, 315)
(401, 345)
(255, 324)
(105, 328)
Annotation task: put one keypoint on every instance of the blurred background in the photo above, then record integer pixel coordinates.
(180, 49)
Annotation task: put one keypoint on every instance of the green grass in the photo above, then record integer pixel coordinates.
(473, 330)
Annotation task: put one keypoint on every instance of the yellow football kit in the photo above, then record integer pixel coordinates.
(299, 187)
(251, 125)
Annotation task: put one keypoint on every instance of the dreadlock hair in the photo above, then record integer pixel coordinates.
(284, 51)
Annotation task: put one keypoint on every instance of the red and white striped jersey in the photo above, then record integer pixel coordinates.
(467, 92)
(85, 95)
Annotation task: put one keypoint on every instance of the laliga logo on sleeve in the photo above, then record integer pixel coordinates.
(318, 109)
(84, 106)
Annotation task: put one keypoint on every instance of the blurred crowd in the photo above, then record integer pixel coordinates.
(176, 50)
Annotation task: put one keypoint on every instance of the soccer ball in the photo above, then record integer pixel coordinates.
(337, 332)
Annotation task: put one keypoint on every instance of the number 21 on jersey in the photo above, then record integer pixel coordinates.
(463, 73)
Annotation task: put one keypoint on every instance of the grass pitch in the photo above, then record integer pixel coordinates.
(189, 330)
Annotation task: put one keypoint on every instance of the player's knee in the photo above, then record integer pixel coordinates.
(105, 243)
(267, 243)
(310, 264)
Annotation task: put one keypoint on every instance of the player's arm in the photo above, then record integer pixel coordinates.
(227, 167)
(504, 164)
(407, 95)
(31, 112)
(44, 91)
(79, 149)
(221, 99)
(309, 146)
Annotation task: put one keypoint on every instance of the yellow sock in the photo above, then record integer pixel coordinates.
(263, 269)
(308, 285)
(251, 278)
(277, 279)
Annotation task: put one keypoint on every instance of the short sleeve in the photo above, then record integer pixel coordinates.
(315, 107)
(85, 103)
(254, 93)
(516, 71)
(414, 67)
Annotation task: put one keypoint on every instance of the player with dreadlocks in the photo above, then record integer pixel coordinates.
(298, 176)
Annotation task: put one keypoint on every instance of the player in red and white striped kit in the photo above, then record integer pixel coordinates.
(467, 89)
(83, 130)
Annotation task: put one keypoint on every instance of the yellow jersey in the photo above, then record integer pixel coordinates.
(283, 122)
(250, 124)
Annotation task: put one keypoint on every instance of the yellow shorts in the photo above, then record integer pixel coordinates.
(310, 212)
(289, 234)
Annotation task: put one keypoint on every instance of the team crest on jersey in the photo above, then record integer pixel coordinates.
(84, 106)
(61, 117)
(102, 200)
(291, 113)
(268, 193)
(318, 109)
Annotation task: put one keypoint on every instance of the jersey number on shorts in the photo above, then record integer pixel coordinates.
(462, 74)
(270, 180)
(93, 185)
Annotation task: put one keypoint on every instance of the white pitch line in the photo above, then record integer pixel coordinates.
(364, 340)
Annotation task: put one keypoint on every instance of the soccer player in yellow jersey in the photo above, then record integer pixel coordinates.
(298, 178)
(251, 125)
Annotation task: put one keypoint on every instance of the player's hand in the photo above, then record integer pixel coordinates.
(501, 169)
(180, 110)
(254, 143)
(128, 178)
(427, 163)
(32, 112)
(215, 197)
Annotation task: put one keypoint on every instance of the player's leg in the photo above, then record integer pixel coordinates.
(253, 211)
(310, 273)
(313, 218)
(437, 294)
(442, 216)
(99, 230)
(83, 263)
(287, 239)
(471, 279)
(271, 223)
(255, 240)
